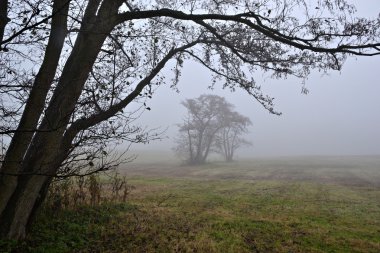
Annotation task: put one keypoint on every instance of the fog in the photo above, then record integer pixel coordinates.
(339, 116)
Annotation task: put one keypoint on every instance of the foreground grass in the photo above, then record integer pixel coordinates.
(216, 216)
(167, 214)
(270, 216)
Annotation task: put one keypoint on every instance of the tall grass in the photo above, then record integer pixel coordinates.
(92, 190)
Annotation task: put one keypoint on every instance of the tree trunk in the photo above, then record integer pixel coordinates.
(16, 217)
(38, 169)
(39, 164)
(229, 158)
(35, 104)
(3, 17)
(27, 199)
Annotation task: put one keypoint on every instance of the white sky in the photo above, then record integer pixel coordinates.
(340, 115)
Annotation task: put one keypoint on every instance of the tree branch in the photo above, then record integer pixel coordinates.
(243, 18)
(82, 124)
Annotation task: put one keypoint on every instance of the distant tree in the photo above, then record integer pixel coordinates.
(210, 125)
(197, 132)
(68, 66)
(230, 137)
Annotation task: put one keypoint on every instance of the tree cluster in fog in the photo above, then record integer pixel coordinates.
(210, 125)
(71, 70)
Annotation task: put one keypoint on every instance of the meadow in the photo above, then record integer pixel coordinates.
(298, 204)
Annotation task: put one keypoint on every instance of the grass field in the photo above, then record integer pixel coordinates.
(307, 204)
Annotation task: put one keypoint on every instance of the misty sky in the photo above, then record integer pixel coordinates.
(340, 115)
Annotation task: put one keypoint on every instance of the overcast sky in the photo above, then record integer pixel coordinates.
(340, 115)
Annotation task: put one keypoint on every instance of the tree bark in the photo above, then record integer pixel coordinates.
(28, 198)
(15, 218)
(35, 104)
(39, 163)
(3, 17)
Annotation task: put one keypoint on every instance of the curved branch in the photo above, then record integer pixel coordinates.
(83, 124)
(243, 18)
(265, 102)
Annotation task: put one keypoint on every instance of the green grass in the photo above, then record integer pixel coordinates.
(67, 230)
(272, 216)
(210, 214)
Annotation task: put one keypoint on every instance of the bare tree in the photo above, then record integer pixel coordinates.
(70, 65)
(210, 125)
(197, 133)
(230, 137)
